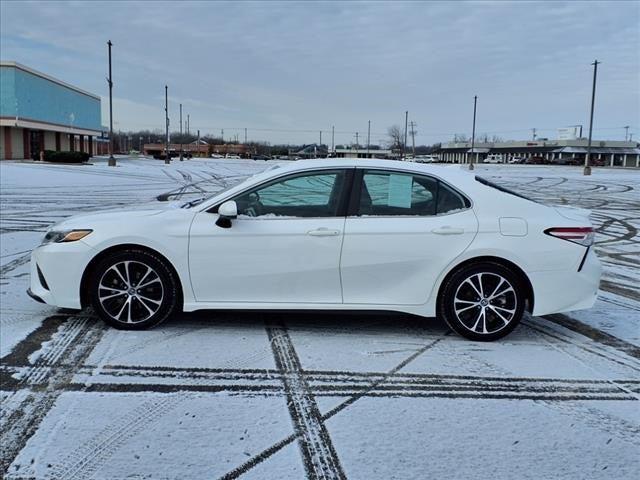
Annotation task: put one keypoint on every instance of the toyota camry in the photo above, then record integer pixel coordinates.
(330, 234)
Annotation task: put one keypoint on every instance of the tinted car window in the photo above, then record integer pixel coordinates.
(304, 195)
(390, 193)
(450, 200)
(394, 193)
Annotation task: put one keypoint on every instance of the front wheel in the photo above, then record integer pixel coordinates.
(134, 290)
(483, 301)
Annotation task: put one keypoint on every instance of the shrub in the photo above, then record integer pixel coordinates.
(65, 157)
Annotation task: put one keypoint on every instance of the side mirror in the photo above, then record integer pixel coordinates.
(227, 211)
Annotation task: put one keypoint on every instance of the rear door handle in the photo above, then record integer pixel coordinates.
(446, 230)
(323, 232)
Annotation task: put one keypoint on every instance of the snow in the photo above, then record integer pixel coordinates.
(267, 395)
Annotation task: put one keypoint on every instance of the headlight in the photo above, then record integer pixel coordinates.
(64, 236)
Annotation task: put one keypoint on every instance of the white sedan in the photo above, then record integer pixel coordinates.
(330, 234)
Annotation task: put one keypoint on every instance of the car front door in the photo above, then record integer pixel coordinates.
(402, 230)
(284, 246)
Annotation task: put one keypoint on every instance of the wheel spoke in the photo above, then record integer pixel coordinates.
(149, 270)
(151, 312)
(506, 322)
(458, 312)
(142, 297)
(149, 283)
(500, 294)
(480, 284)
(124, 306)
(115, 269)
(113, 295)
(497, 288)
(511, 311)
(457, 300)
(468, 280)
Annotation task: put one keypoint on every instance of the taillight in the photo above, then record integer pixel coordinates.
(580, 235)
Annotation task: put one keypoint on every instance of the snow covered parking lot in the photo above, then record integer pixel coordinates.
(228, 395)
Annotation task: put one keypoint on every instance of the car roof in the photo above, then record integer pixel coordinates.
(447, 172)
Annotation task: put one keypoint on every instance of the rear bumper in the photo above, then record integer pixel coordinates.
(563, 291)
(34, 296)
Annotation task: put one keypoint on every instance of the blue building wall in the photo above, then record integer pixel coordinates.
(32, 97)
(7, 92)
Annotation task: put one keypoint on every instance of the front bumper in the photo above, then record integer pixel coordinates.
(62, 266)
(563, 291)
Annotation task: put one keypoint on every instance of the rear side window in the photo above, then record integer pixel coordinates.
(394, 193)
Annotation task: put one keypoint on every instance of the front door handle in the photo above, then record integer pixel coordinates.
(447, 230)
(323, 232)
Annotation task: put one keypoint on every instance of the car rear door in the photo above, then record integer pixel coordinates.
(403, 229)
(284, 247)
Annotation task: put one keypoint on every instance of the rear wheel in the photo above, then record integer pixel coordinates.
(483, 301)
(134, 290)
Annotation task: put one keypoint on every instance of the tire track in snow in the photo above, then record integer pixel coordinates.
(318, 453)
(70, 344)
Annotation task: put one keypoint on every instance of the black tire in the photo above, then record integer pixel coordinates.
(482, 317)
(155, 302)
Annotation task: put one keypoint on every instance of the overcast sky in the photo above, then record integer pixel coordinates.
(287, 70)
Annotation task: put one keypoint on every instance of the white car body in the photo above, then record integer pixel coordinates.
(494, 158)
(343, 263)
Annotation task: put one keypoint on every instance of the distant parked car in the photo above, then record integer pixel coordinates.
(426, 159)
(261, 157)
(216, 155)
(536, 160)
(413, 238)
(515, 160)
(570, 161)
(494, 158)
(235, 157)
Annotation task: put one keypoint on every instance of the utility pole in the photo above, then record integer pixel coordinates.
(112, 159)
(404, 145)
(222, 134)
(245, 136)
(320, 144)
(473, 132)
(198, 144)
(333, 132)
(368, 137)
(167, 159)
(188, 123)
(181, 139)
(626, 133)
(357, 144)
(587, 158)
(534, 133)
(413, 137)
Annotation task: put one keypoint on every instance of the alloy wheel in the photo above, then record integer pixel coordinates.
(130, 292)
(485, 303)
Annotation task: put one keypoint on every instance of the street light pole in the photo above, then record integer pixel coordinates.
(368, 137)
(181, 139)
(167, 158)
(112, 160)
(473, 131)
(587, 158)
(406, 125)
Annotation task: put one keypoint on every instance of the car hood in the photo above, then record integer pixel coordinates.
(88, 220)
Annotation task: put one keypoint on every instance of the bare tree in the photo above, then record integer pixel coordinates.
(396, 136)
(460, 138)
(497, 139)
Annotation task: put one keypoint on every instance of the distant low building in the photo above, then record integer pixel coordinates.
(615, 153)
(39, 112)
(364, 153)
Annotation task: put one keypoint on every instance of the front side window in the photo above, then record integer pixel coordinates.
(395, 193)
(314, 194)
